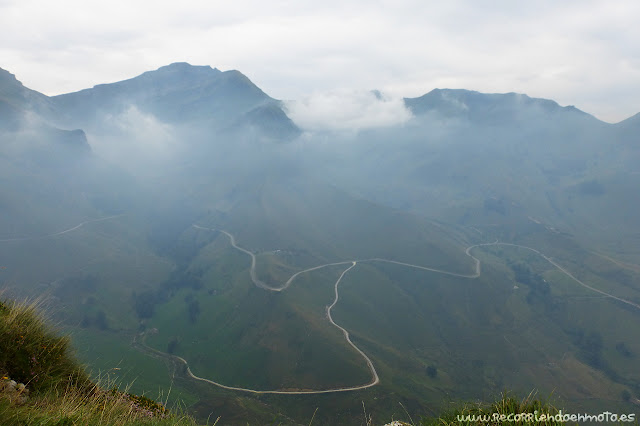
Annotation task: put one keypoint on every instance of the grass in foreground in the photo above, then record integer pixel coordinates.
(42, 384)
(508, 410)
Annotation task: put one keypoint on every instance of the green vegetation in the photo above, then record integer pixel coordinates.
(523, 324)
(33, 355)
(42, 384)
(512, 411)
(515, 327)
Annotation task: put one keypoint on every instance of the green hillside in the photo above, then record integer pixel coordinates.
(489, 333)
(432, 337)
(42, 383)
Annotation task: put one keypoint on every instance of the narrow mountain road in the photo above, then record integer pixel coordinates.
(567, 273)
(374, 374)
(62, 232)
(259, 283)
(476, 274)
(252, 271)
(375, 379)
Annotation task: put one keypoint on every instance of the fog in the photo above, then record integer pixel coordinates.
(99, 200)
(441, 155)
(347, 110)
(136, 141)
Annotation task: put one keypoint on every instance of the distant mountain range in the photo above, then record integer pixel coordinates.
(530, 154)
(459, 145)
(487, 108)
(181, 93)
(177, 93)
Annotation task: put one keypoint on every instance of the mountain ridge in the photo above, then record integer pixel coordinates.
(16, 100)
(487, 107)
(161, 84)
(181, 93)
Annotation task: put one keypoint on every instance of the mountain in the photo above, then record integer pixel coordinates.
(631, 122)
(483, 108)
(47, 170)
(17, 100)
(473, 158)
(629, 129)
(30, 112)
(177, 94)
(269, 120)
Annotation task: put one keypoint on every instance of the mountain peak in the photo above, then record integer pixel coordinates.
(177, 92)
(184, 65)
(15, 99)
(7, 76)
(9, 84)
(484, 107)
(184, 68)
(177, 74)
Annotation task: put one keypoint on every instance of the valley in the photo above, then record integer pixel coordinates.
(375, 377)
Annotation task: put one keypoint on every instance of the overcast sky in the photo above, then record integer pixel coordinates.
(583, 53)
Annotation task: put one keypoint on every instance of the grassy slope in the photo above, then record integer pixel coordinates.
(93, 270)
(481, 335)
(59, 391)
(249, 337)
(406, 320)
(328, 224)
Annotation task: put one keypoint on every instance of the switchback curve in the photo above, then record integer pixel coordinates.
(374, 375)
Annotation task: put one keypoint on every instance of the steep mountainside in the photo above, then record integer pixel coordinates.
(176, 94)
(476, 158)
(17, 100)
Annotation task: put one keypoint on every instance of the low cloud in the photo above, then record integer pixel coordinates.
(145, 129)
(347, 110)
(134, 139)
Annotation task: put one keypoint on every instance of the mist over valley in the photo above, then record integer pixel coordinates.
(266, 258)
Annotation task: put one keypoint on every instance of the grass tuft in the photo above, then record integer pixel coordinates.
(528, 411)
(32, 353)
(41, 383)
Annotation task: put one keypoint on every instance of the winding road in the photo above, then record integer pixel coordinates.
(62, 232)
(551, 261)
(261, 284)
(375, 379)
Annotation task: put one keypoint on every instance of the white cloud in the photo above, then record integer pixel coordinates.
(347, 110)
(135, 140)
(158, 137)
